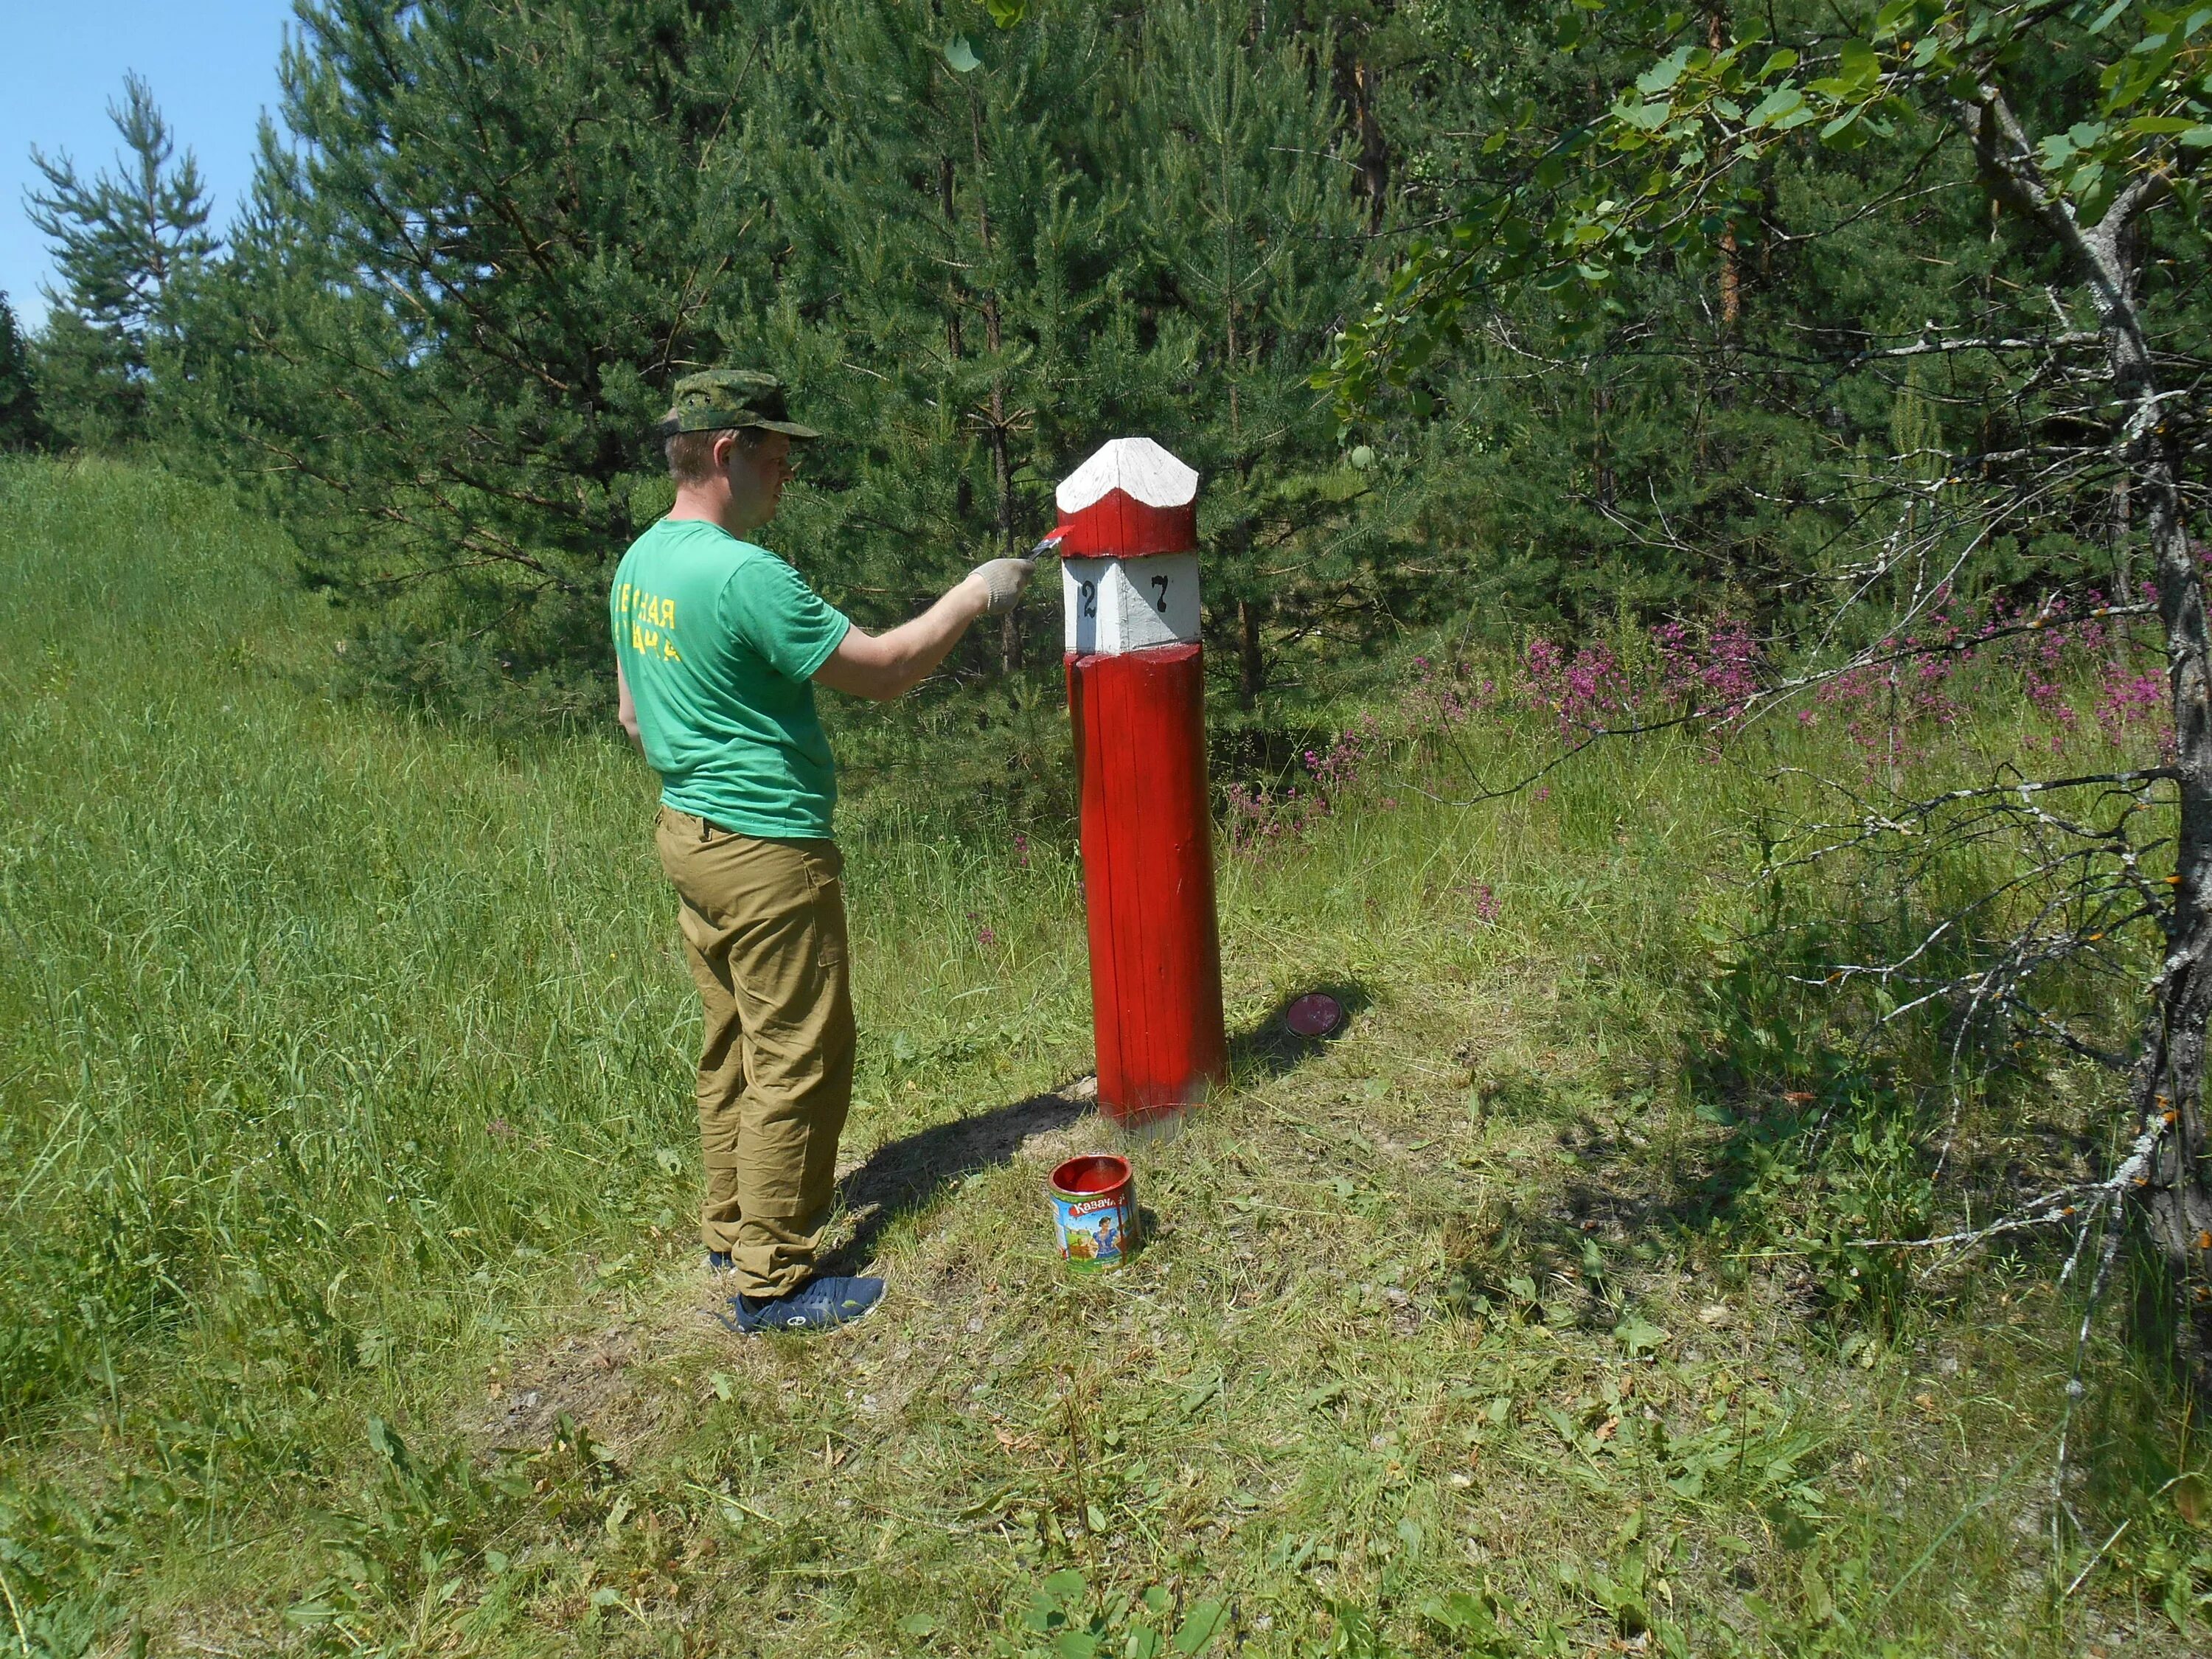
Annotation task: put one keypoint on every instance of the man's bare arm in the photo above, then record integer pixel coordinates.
(625, 710)
(881, 666)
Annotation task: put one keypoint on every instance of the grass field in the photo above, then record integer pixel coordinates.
(351, 1302)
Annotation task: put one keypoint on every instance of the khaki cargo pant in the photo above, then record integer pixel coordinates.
(764, 932)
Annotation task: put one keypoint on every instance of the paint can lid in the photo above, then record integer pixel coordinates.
(1313, 1015)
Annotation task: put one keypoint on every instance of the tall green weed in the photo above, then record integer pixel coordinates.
(53, 1555)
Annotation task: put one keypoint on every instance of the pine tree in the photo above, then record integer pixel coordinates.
(494, 235)
(946, 208)
(125, 243)
(460, 300)
(1254, 228)
(20, 426)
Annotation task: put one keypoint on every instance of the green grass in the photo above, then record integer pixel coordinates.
(344, 1075)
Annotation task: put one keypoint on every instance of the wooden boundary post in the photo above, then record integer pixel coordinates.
(1136, 697)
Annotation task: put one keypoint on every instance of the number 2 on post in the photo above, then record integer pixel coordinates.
(1161, 582)
(1087, 604)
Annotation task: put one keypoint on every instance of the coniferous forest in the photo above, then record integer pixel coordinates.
(484, 239)
(1705, 514)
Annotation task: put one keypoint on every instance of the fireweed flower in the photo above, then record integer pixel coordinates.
(1893, 712)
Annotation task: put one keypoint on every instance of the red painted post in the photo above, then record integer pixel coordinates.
(1136, 686)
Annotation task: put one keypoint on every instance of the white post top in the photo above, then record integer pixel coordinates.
(1138, 467)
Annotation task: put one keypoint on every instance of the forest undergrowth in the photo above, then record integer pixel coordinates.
(352, 1305)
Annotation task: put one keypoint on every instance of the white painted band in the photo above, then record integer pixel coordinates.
(1113, 605)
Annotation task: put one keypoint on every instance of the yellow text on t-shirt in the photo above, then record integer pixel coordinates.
(650, 617)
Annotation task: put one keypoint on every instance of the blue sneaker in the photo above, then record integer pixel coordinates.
(819, 1304)
(718, 1261)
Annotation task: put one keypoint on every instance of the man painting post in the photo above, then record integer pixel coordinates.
(718, 644)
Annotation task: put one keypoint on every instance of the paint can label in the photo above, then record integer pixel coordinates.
(1094, 1231)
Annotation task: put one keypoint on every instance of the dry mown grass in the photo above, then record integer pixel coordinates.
(1295, 1400)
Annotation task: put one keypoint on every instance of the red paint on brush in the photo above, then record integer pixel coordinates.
(1148, 879)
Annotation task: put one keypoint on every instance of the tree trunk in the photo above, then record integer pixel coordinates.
(1002, 481)
(2169, 1085)
(1374, 162)
(1002, 475)
(2164, 1175)
(2169, 1082)
(1716, 37)
(1251, 664)
(995, 418)
(1600, 407)
(2123, 570)
(945, 199)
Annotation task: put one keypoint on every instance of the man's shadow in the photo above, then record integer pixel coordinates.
(902, 1175)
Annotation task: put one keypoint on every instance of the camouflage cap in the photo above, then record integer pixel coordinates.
(718, 400)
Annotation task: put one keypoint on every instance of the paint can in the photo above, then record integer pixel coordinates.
(1094, 1210)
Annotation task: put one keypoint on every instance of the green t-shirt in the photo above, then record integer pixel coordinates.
(719, 641)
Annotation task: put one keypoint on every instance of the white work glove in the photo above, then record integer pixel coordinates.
(1002, 581)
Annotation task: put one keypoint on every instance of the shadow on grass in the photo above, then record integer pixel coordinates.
(1271, 1050)
(902, 1175)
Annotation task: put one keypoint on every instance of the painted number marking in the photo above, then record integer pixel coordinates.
(1110, 605)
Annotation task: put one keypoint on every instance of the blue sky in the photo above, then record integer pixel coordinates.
(212, 64)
